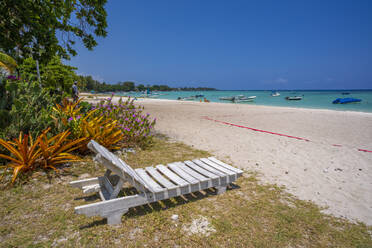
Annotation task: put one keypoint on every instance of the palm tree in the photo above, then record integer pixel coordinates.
(7, 62)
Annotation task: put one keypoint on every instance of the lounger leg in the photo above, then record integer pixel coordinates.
(221, 190)
(114, 218)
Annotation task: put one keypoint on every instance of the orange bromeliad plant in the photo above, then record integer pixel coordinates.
(25, 154)
(28, 154)
(56, 150)
(103, 130)
(68, 108)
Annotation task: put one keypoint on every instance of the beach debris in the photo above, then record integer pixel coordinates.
(85, 175)
(118, 153)
(46, 186)
(131, 150)
(338, 169)
(134, 232)
(199, 226)
(286, 172)
(360, 169)
(305, 169)
(174, 217)
(325, 170)
(57, 242)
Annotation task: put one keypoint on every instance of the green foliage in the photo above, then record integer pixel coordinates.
(87, 83)
(42, 29)
(55, 76)
(85, 107)
(27, 107)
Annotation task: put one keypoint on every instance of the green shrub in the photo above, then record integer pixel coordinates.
(27, 109)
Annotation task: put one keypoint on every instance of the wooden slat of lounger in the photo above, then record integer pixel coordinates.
(158, 177)
(173, 190)
(213, 159)
(84, 182)
(191, 172)
(209, 168)
(174, 167)
(201, 170)
(154, 185)
(224, 178)
(194, 184)
(171, 175)
(120, 167)
(204, 182)
(137, 184)
(214, 180)
(115, 161)
(218, 167)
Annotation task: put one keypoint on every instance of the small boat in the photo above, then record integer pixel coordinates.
(275, 94)
(227, 98)
(346, 100)
(294, 98)
(190, 98)
(236, 98)
(244, 99)
(345, 93)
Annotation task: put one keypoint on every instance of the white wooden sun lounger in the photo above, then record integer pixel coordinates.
(153, 183)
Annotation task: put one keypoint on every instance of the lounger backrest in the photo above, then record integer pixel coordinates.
(119, 166)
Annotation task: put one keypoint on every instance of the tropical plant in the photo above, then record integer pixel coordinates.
(68, 108)
(57, 149)
(103, 130)
(25, 154)
(28, 108)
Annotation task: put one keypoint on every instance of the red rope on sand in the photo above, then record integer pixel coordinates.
(364, 150)
(257, 130)
(263, 131)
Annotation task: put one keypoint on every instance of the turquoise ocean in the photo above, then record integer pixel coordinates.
(317, 99)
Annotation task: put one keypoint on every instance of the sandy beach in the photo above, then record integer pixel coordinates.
(323, 166)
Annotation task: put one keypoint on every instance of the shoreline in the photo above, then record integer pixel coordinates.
(256, 105)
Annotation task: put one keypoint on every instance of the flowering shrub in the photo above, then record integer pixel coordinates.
(135, 125)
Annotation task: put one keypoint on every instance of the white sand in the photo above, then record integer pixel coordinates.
(337, 177)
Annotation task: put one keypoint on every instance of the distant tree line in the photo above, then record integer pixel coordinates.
(87, 83)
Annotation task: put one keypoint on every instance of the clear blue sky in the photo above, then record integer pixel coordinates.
(235, 44)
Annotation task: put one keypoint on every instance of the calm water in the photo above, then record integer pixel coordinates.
(319, 99)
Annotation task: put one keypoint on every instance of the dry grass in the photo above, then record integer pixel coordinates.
(40, 214)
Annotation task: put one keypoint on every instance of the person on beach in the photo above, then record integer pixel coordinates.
(75, 92)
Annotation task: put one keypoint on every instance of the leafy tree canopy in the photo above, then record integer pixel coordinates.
(44, 28)
(54, 75)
